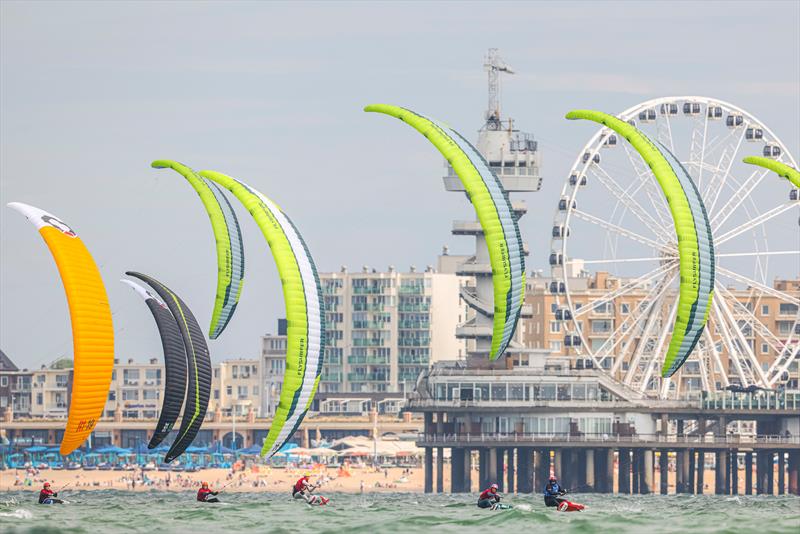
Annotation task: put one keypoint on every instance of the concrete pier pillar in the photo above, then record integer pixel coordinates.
(646, 485)
(624, 474)
(491, 470)
(457, 470)
(498, 462)
(510, 471)
(748, 473)
(636, 466)
(700, 468)
(558, 456)
(770, 460)
(690, 481)
(726, 463)
(608, 471)
(663, 466)
(719, 473)
(590, 484)
(428, 469)
(735, 472)
(781, 472)
(483, 468)
(680, 474)
(440, 470)
(525, 470)
(794, 472)
(467, 470)
(543, 469)
(761, 472)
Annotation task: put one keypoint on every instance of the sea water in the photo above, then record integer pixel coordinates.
(153, 512)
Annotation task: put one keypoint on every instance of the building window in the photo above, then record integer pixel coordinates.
(764, 348)
(555, 327)
(765, 309)
(216, 394)
(130, 394)
(229, 390)
(3, 381)
(625, 308)
(39, 399)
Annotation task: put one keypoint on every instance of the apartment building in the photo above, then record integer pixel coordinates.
(551, 328)
(236, 387)
(15, 387)
(383, 328)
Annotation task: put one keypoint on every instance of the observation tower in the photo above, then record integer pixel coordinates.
(513, 156)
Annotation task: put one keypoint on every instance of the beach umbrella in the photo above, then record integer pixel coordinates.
(35, 449)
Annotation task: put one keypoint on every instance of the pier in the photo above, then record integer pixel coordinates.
(597, 438)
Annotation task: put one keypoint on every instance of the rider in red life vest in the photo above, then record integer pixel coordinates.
(302, 490)
(47, 495)
(489, 497)
(204, 494)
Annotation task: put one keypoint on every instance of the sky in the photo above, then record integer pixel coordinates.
(272, 93)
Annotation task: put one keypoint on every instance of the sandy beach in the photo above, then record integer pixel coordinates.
(261, 478)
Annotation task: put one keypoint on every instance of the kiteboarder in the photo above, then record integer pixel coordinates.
(204, 494)
(489, 497)
(302, 489)
(553, 492)
(48, 496)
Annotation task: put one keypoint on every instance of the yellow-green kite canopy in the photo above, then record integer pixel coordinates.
(781, 169)
(693, 229)
(495, 214)
(228, 237)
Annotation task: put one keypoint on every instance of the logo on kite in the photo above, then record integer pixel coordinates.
(59, 225)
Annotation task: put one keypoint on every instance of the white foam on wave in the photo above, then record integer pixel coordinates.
(19, 513)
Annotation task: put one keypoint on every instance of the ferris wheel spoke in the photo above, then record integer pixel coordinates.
(769, 253)
(627, 328)
(722, 305)
(733, 349)
(662, 339)
(757, 221)
(652, 314)
(635, 236)
(657, 199)
(634, 207)
(712, 346)
(758, 285)
(718, 178)
(766, 334)
(739, 196)
(782, 363)
(625, 260)
(697, 150)
(626, 288)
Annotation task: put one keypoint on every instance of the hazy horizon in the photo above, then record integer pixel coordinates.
(272, 93)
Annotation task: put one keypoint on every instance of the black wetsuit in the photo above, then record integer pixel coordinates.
(552, 494)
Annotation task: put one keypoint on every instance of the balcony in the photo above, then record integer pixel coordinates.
(414, 307)
(368, 360)
(413, 342)
(370, 342)
(414, 325)
(370, 377)
(412, 290)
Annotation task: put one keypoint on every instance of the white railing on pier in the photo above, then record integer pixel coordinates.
(638, 439)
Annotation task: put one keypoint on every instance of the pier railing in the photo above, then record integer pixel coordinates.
(638, 440)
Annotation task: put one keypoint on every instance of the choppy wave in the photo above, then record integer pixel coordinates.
(116, 511)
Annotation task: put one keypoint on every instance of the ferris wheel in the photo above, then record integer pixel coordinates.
(614, 259)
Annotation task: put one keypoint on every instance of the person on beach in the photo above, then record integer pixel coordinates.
(489, 497)
(204, 494)
(48, 496)
(553, 492)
